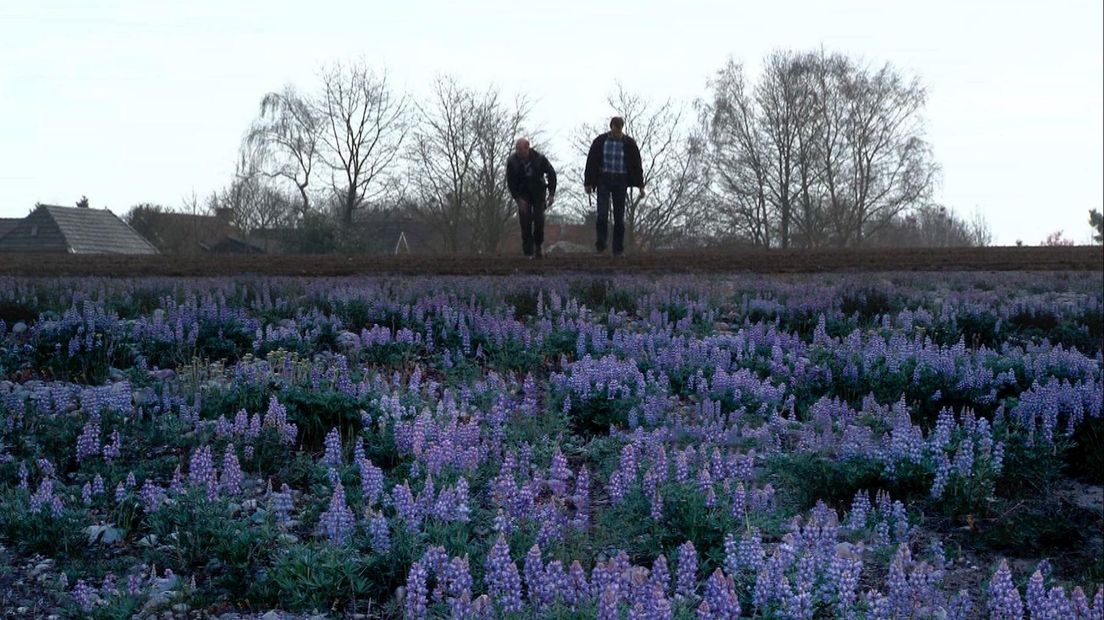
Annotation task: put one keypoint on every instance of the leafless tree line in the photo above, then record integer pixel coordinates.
(822, 150)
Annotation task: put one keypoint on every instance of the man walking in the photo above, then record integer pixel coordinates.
(528, 176)
(613, 165)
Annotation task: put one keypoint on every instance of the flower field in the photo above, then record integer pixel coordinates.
(883, 445)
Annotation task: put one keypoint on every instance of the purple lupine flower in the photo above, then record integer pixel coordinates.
(276, 417)
(461, 607)
(1079, 602)
(558, 474)
(120, 492)
(556, 582)
(414, 604)
(371, 481)
(108, 585)
(751, 556)
(332, 456)
(687, 580)
(201, 470)
(337, 523)
(88, 443)
(282, 504)
(24, 475)
(960, 606)
(176, 486)
(131, 481)
(97, 485)
(705, 486)
(770, 581)
(231, 471)
(457, 578)
(502, 524)
(901, 528)
(113, 449)
(460, 501)
(1058, 606)
(84, 595)
(578, 591)
(46, 467)
(844, 573)
(86, 494)
(608, 603)
(1036, 600)
(898, 588)
(720, 594)
(582, 499)
(379, 533)
(151, 496)
(739, 502)
(1004, 598)
(502, 579)
(860, 508)
(436, 560)
(533, 571)
(134, 585)
(405, 506)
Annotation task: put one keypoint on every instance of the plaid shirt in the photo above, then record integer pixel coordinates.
(613, 157)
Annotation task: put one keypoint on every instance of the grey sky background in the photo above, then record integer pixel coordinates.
(147, 101)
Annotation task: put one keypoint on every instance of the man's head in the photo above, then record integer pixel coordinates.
(617, 126)
(521, 147)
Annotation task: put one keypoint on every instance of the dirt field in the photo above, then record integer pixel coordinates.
(774, 261)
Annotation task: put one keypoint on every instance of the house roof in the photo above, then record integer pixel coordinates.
(7, 224)
(74, 230)
(182, 233)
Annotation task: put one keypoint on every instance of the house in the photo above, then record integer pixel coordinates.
(73, 230)
(189, 234)
(560, 237)
(8, 223)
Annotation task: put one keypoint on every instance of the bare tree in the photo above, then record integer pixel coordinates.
(461, 143)
(888, 167)
(285, 138)
(364, 125)
(443, 160)
(675, 174)
(251, 202)
(739, 160)
(827, 150)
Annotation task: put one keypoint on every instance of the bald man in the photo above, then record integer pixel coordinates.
(531, 180)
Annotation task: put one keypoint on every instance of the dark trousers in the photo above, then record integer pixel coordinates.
(532, 223)
(612, 186)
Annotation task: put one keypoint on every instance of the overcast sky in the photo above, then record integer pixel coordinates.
(144, 101)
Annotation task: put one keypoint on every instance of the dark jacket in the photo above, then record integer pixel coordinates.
(533, 184)
(634, 166)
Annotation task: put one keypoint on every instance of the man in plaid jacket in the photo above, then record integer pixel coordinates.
(613, 165)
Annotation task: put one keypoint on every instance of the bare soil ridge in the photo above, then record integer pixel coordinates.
(1080, 258)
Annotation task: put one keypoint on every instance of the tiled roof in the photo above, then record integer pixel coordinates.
(8, 224)
(50, 228)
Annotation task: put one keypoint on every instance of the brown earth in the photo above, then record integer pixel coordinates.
(1081, 258)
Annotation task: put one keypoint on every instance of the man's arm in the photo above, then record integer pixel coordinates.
(512, 182)
(634, 164)
(550, 172)
(590, 174)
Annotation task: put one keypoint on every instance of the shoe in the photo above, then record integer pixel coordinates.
(538, 253)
